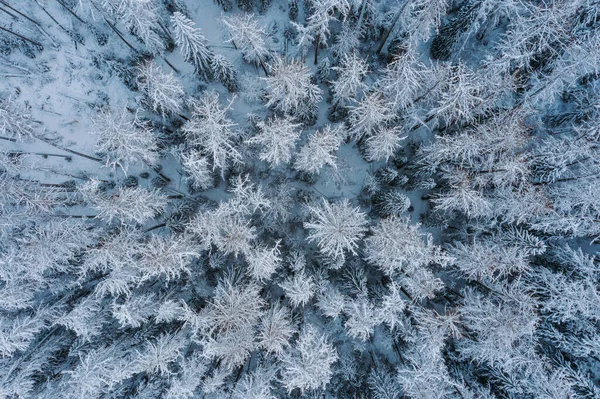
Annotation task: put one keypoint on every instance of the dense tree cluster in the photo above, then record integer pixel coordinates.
(192, 206)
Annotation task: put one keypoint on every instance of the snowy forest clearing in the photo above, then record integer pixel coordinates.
(259, 199)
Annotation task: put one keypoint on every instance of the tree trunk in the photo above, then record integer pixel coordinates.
(387, 35)
(20, 13)
(23, 37)
(171, 65)
(317, 48)
(158, 226)
(9, 13)
(120, 35)
(264, 68)
(71, 12)
(362, 13)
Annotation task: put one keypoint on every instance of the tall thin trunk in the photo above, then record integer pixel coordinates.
(20, 13)
(23, 37)
(171, 65)
(264, 68)
(42, 154)
(155, 169)
(9, 13)
(362, 14)
(317, 39)
(158, 226)
(67, 31)
(165, 31)
(396, 18)
(71, 151)
(114, 28)
(71, 11)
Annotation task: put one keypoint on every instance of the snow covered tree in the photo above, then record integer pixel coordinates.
(396, 245)
(193, 45)
(369, 115)
(223, 71)
(350, 74)
(228, 227)
(336, 227)
(308, 365)
(275, 330)
(249, 37)
(210, 129)
(331, 302)
(85, 318)
(230, 233)
(226, 324)
(424, 374)
(463, 198)
(489, 259)
(277, 137)
(316, 31)
(391, 306)
(189, 379)
(17, 333)
(291, 90)
(141, 17)
(263, 262)
(319, 149)
(124, 139)
(117, 256)
(198, 168)
(170, 257)
(503, 325)
(402, 80)
(257, 385)
(462, 95)
(348, 38)
(15, 121)
(158, 355)
(134, 311)
(383, 144)
(391, 203)
(129, 205)
(362, 318)
(299, 289)
(164, 93)
(418, 19)
(96, 370)
(535, 29)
